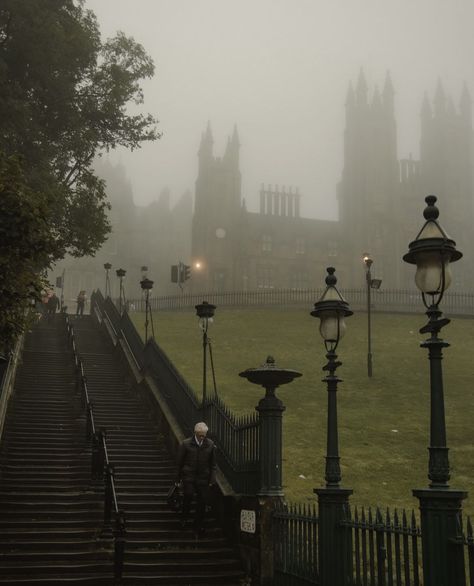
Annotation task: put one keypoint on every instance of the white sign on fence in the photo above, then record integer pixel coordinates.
(247, 521)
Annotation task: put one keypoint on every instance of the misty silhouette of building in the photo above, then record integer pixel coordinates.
(380, 200)
(154, 235)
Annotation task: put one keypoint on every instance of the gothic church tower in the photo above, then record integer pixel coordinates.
(368, 188)
(217, 213)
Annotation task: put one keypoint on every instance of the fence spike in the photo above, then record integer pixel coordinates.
(356, 515)
(396, 521)
(404, 520)
(388, 521)
(469, 528)
(378, 517)
(370, 516)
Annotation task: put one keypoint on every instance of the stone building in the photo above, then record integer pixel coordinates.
(380, 200)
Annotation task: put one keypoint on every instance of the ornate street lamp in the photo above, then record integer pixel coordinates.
(147, 286)
(432, 252)
(107, 267)
(121, 274)
(205, 312)
(332, 309)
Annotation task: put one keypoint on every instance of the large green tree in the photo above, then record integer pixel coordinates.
(64, 98)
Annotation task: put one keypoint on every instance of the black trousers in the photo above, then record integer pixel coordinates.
(200, 490)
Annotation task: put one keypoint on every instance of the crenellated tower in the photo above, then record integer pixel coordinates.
(367, 193)
(217, 213)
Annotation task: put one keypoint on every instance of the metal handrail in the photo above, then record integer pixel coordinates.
(101, 464)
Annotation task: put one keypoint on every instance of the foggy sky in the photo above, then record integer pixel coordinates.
(280, 69)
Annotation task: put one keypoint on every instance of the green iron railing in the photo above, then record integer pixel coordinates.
(295, 544)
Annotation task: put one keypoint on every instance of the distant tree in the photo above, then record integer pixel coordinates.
(63, 98)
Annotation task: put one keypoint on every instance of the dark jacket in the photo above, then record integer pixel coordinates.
(197, 463)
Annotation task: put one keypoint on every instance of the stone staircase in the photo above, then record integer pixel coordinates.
(158, 550)
(49, 517)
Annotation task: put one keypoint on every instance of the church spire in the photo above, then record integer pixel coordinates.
(205, 148)
(426, 112)
(361, 89)
(439, 99)
(350, 97)
(376, 100)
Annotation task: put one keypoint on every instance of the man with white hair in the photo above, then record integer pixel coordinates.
(196, 472)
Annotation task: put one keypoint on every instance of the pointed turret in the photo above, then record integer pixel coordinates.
(234, 147)
(426, 112)
(205, 148)
(350, 97)
(388, 93)
(376, 100)
(439, 100)
(465, 103)
(361, 89)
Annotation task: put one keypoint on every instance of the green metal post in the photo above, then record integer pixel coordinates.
(440, 506)
(334, 543)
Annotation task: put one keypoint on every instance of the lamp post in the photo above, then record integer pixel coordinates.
(205, 313)
(331, 309)
(368, 278)
(147, 286)
(121, 274)
(107, 267)
(432, 251)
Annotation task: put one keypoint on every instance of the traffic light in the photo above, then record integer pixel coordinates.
(174, 274)
(186, 272)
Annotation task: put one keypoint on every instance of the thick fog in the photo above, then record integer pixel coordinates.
(279, 70)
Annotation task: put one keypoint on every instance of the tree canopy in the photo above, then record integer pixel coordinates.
(64, 98)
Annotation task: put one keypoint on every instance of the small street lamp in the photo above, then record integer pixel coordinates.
(205, 313)
(107, 267)
(332, 309)
(368, 278)
(432, 251)
(147, 285)
(121, 274)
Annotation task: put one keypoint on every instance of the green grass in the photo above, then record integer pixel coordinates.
(383, 421)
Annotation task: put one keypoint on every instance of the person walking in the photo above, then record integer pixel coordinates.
(52, 305)
(81, 302)
(196, 473)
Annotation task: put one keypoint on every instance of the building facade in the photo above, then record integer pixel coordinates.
(380, 201)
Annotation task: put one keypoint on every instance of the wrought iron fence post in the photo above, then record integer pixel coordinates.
(270, 409)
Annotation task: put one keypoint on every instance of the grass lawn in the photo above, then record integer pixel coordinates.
(383, 421)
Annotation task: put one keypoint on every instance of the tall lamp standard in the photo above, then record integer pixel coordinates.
(205, 313)
(121, 274)
(432, 252)
(332, 309)
(147, 285)
(107, 267)
(368, 277)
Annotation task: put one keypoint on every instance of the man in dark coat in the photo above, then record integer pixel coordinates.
(196, 472)
(52, 305)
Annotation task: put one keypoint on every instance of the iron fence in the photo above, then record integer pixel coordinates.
(236, 438)
(466, 541)
(400, 300)
(295, 544)
(237, 443)
(385, 548)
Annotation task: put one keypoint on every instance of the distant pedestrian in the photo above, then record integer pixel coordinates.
(81, 302)
(52, 305)
(196, 472)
